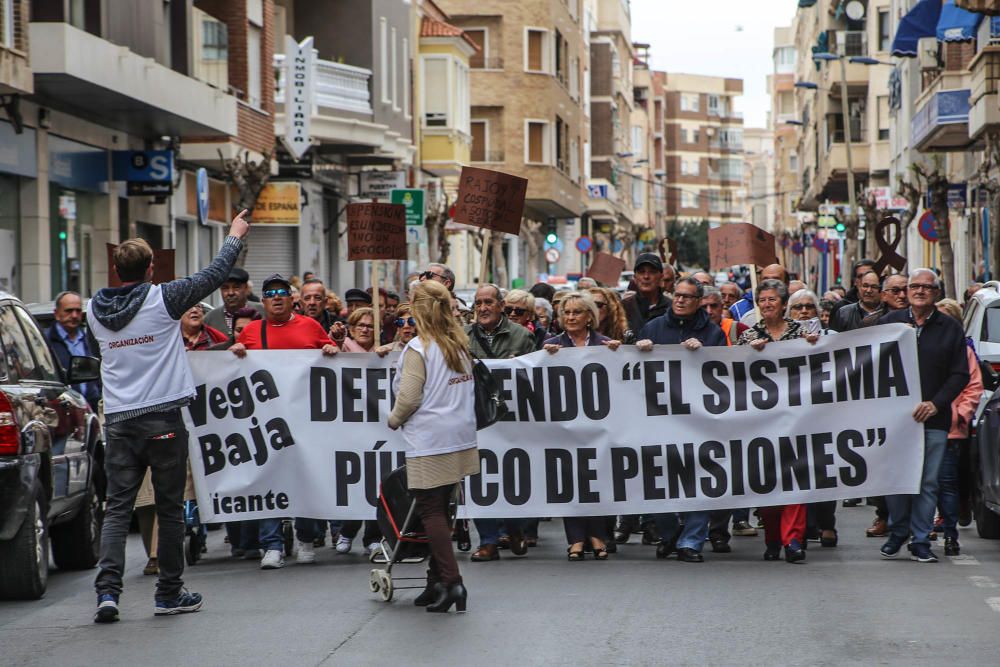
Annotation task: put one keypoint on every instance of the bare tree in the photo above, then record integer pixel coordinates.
(531, 231)
(912, 190)
(438, 246)
(249, 177)
(936, 179)
(869, 204)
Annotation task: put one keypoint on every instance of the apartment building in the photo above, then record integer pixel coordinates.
(646, 146)
(526, 114)
(361, 83)
(612, 190)
(703, 148)
(827, 142)
(93, 89)
(758, 177)
(783, 121)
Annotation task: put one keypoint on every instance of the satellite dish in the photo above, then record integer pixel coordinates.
(855, 10)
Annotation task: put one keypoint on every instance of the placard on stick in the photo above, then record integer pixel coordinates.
(163, 266)
(376, 231)
(491, 199)
(740, 243)
(606, 269)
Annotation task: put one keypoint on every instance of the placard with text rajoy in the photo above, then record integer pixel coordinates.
(376, 231)
(491, 199)
(740, 243)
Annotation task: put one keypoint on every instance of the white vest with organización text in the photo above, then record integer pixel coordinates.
(143, 364)
(446, 419)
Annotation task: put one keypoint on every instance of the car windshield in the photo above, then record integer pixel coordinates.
(991, 325)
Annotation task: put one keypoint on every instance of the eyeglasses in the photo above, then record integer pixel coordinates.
(401, 322)
(427, 275)
(894, 290)
(803, 306)
(511, 310)
(921, 287)
(272, 293)
(364, 326)
(680, 296)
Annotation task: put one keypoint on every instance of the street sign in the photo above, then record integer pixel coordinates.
(289, 167)
(201, 182)
(413, 200)
(551, 255)
(927, 227)
(380, 184)
(299, 73)
(584, 244)
(146, 172)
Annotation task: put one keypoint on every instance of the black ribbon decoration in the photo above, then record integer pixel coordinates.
(887, 249)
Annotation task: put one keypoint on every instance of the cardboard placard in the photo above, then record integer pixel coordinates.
(491, 200)
(606, 269)
(163, 266)
(376, 231)
(740, 243)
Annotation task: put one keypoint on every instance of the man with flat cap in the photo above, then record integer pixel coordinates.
(357, 298)
(234, 297)
(648, 301)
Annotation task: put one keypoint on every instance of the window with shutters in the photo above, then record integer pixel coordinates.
(435, 91)
(536, 143)
(480, 140)
(481, 37)
(536, 50)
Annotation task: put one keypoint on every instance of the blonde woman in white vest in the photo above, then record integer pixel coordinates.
(435, 407)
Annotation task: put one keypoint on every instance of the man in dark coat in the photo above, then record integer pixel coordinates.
(69, 337)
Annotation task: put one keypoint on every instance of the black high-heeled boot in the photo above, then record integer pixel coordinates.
(454, 594)
(430, 593)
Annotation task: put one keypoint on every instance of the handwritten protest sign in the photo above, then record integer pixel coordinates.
(590, 431)
(606, 268)
(163, 266)
(740, 243)
(376, 231)
(491, 200)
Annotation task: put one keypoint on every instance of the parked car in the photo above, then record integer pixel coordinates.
(51, 459)
(982, 327)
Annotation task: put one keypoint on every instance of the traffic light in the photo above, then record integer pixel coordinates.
(551, 234)
(841, 228)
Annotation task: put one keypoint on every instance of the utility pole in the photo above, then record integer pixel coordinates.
(852, 211)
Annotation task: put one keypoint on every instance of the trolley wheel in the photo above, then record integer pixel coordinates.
(386, 585)
(192, 549)
(289, 534)
(374, 581)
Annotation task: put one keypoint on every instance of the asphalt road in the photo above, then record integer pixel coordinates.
(844, 606)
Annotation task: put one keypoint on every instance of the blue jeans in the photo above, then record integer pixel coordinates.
(915, 513)
(271, 536)
(695, 529)
(948, 502)
(489, 529)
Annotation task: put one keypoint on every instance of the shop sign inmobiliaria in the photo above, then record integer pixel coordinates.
(299, 68)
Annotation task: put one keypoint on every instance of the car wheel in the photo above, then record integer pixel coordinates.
(76, 545)
(25, 557)
(987, 521)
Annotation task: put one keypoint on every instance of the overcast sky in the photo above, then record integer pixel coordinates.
(730, 38)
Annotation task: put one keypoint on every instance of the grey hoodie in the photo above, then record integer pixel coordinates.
(114, 307)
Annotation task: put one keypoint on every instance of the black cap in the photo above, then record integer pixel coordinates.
(650, 258)
(238, 275)
(355, 294)
(275, 278)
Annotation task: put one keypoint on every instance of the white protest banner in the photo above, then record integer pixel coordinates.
(590, 431)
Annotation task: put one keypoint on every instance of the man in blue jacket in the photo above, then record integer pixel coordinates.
(69, 337)
(687, 324)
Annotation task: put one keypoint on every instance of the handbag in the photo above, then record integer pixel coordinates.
(490, 406)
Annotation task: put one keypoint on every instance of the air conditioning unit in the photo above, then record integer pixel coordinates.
(927, 53)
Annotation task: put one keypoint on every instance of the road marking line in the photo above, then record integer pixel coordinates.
(994, 604)
(983, 582)
(964, 559)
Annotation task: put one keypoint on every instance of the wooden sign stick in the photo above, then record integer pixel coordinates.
(753, 290)
(376, 298)
(485, 258)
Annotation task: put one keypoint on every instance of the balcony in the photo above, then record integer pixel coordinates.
(15, 72)
(112, 86)
(984, 112)
(941, 121)
(335, 86)
(848, 42)
(496, 156)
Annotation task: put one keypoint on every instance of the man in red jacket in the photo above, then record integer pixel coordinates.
(281, 329)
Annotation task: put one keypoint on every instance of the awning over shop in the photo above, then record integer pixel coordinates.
(806, 3)
(957, 24)
(921, 21)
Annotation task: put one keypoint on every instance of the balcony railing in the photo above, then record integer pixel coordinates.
(490, 62)
(849, 42)
(487, 156)
(335, 85)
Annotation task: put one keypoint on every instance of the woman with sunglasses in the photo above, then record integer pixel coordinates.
(579, 316)
(519, 307)
(613, 322)
(406, 329)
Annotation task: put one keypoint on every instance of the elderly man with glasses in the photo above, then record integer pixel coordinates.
(441, 274)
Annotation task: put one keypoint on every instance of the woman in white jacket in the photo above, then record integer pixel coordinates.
(435, 406)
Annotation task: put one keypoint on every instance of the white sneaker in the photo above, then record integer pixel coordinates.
(305, 553)
(374, 549)
(273, 559)
(344, 545)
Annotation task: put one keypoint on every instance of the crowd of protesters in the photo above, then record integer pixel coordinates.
(662, 306)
